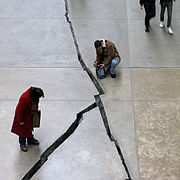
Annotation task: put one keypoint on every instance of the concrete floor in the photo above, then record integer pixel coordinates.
(142, 104)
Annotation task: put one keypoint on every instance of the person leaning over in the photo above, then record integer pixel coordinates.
(107, 57)
(23, 119)
(169, 5)
(150, 10)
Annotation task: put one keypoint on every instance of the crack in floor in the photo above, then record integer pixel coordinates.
(44, 156)
(97, 97)
(94, 80)
(108, 130)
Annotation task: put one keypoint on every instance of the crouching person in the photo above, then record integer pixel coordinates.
(107, 58)
(23, 119)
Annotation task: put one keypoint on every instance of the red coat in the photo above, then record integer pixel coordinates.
(23, 114)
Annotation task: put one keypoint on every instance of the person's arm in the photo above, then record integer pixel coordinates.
(20, 110)
(97, 59)
(110, 55)
(141, 2)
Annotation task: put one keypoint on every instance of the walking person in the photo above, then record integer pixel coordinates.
(150, 10)
(107, 58)
(23, 119)
(169, 5)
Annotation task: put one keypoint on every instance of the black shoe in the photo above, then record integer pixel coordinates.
(33, 141)
(113, 75)
(147, 29)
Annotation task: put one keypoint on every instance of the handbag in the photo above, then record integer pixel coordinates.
(36, 119)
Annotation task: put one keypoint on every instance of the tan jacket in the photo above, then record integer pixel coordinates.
(110, 53)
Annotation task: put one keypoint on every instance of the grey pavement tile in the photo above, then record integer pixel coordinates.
(135, 13)
(159, 35)
(157, 133)
(58, 84)
(91, 9)
(36, 43)
(155, 49)
(32, 9)
(56, 118)
(87, 154)
(120, 117)
(87, 31)
(156, 84)
(118, 88)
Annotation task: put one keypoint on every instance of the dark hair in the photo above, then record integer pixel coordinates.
(36, 93)
(97, 43)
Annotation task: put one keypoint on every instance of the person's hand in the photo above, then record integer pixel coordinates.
(95, 65)
(102, 65)
(21, 123)
(141, 7)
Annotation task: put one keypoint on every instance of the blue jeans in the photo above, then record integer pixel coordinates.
(102, 71)
(22, 141)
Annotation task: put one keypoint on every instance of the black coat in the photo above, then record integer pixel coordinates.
(165, 1)
(143, 1)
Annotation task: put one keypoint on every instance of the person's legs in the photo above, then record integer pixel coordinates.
(106, 68)
(22, 142)
(163, 7)
(147, 16)
(101, 72)
(32, 141)
(152, 10)
(169, 12)
(114, 63)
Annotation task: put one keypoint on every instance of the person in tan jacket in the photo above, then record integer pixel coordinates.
(107, 58)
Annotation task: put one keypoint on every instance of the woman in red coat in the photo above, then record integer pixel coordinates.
(22, 125)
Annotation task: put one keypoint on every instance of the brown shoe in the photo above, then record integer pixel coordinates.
(24, 148)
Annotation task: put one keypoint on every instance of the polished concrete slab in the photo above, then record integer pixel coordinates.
(32, 9)
(120, 116)
(92, 10)
(118, 88)
(87, 154)
(58, 84)
(36, 43)
(148, 50)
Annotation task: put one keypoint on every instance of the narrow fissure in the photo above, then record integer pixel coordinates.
(44, 156)
(97, 97)
(111, 137)
(94, 80)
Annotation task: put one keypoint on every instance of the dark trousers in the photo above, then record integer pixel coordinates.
(169, 6)
(150, 9)
(22, 141)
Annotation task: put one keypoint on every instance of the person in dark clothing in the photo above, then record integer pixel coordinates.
(150, 10)
(169, 5)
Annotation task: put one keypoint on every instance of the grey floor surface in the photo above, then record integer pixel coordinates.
(142, 105)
